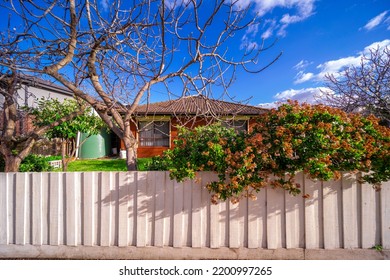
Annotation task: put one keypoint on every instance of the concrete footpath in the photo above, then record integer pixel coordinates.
(169, 253)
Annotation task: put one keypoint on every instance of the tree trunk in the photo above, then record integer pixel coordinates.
(131, 153)
(12, 163)
(63, 154)
(131, 159)
(11, 159)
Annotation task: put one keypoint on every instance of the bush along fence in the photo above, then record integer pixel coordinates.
(149, 209)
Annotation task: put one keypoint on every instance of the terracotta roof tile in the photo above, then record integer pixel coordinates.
(198, 105)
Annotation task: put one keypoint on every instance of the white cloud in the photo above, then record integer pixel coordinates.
(381, 45)
(268, 33)
(374, 22)
(304, 7)
(302, 77)
(297, 11)
(303, 64)
(268, 105)
(270, 25)
(311, 95)
(335, 67)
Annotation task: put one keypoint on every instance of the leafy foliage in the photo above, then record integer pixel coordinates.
(35, 163)
(318, 140)
(321, 141)
(50, 110)
(156, 163)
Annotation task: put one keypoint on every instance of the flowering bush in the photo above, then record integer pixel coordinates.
(321, 141)
(318, 140)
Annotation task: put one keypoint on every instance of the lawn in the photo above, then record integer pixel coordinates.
(104, 165)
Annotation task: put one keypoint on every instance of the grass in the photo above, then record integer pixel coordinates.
(97, 165)
(104, 165)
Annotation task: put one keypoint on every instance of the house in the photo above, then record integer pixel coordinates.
(158, 122)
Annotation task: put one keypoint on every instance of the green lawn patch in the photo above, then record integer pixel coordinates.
(98, 165)
(105, 165)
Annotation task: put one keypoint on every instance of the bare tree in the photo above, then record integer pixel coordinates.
(364, 88)
(117, 54)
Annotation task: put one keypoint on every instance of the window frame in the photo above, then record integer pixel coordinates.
(226, 122)
(151, 122)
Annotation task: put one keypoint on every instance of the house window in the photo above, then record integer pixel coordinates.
(154, 133)
(238, 125)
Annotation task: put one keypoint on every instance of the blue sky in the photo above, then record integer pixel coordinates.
(316, 37)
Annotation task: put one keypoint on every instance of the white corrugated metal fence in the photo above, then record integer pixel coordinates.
(148, 209)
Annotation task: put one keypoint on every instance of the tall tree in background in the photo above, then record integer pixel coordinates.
(364, 88)
(118, 54)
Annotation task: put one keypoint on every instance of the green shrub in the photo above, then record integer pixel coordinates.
(157, 163)
(34, 163)
(318, 140)
(50, 158)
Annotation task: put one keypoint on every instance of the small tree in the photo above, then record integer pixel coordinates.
(364, 88)
(50, 110)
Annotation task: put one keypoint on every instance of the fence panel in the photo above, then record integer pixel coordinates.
(350, 210)
(385, 214)
(276, 225)
(88, 208)
(148, 209)
(332, 214)
(6, 184)
(295, 229)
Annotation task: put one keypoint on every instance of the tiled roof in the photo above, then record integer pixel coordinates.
(198, 105)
